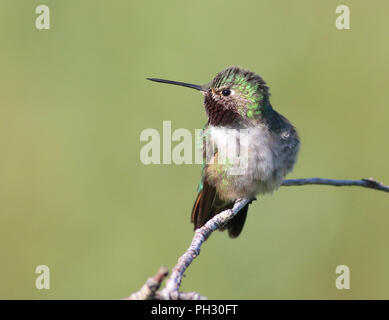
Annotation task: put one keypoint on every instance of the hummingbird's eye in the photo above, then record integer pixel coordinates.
(226, 92)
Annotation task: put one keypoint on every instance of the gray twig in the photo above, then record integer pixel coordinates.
(149, 289)
(171, 290)
(365, 183)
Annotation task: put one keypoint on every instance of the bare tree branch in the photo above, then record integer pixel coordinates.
(171, 290)
(365, 183)
(149, 289)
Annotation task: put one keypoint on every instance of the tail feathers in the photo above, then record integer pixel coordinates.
(235, 225)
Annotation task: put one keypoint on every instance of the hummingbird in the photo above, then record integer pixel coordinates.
(238, 100)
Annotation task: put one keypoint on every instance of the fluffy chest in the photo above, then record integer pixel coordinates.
(242, 161)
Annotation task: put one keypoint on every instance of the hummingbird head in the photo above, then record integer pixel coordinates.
(234, 96)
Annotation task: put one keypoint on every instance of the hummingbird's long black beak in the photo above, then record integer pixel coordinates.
(177, 83)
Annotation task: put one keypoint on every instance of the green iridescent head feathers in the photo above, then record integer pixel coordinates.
(247, 82)
(253, 94)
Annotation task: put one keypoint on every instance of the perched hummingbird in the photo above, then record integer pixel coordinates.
(237, 100)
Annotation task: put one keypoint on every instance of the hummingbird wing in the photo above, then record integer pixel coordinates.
(203, 208)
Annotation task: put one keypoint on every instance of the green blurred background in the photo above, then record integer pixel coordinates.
(73, 102)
